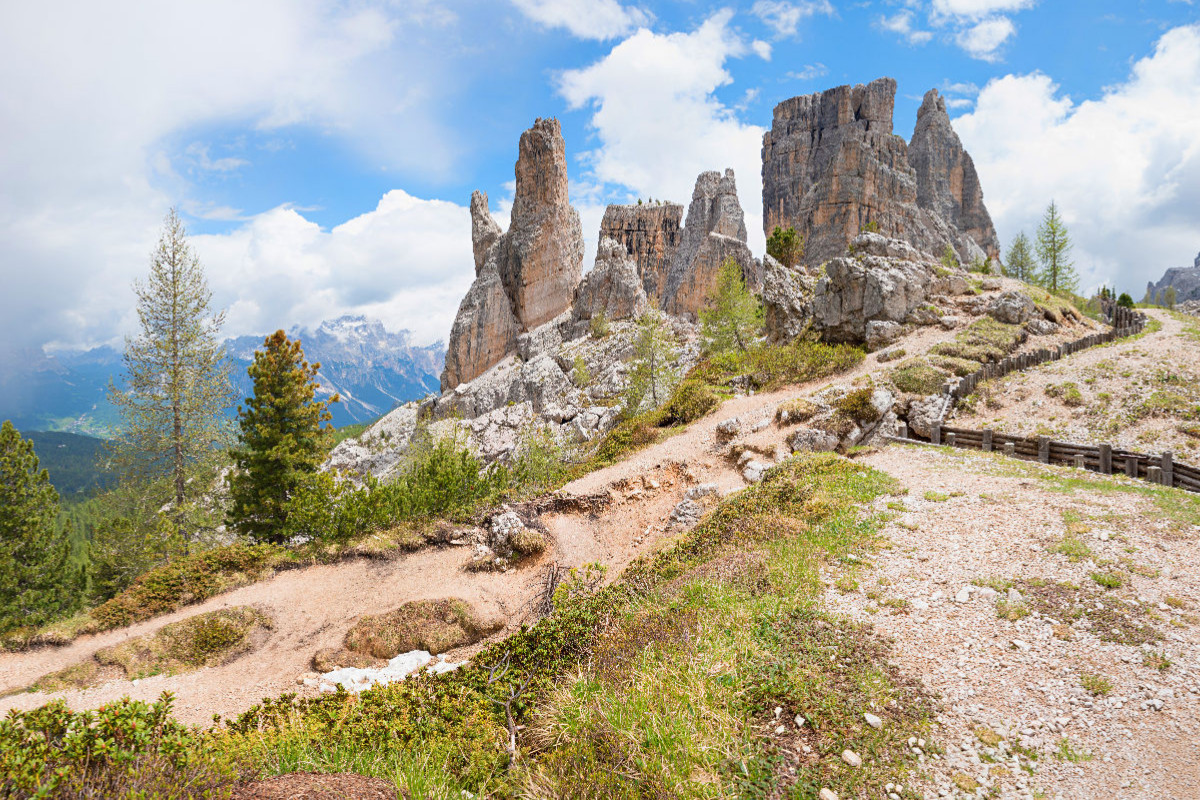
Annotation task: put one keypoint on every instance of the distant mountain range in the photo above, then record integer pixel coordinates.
(372, 369)
(1185, 281)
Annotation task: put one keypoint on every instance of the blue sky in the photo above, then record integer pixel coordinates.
(323, 153)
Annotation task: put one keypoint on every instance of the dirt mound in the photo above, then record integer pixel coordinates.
(311, 786)
(432, 625)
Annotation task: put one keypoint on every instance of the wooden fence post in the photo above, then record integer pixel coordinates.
(1131, 468)
(1106, 459)
(935, 433)
(901, 430)
(1079, 462)
(987, 441)
(1044, 449)
(1154, 474)
(1168, 468)
(1010, 449)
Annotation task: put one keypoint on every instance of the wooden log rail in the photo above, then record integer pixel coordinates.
(1161, 468)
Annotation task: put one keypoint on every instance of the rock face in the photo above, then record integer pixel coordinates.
(526, 276)
(947, 183)
(650, 234)
(484, 230)
(715, 230)
(612, 286)
(1185, 280)
(787, 300)
(831, 167)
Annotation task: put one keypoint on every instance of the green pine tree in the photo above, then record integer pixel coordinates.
(36, 584)
(733, 315)
(1020, 263)
(1054, 250)
(786, 247)
(177, 381)
(281, 440)
(655, 362)
(1125, 300)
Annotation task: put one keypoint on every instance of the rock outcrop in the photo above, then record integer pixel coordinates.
(1185, 281)
(947, 183)
(526, 276)
(832, 168)
(612, 286)
(484, 229)
(715, 230)
(787, 300)
(650, 234)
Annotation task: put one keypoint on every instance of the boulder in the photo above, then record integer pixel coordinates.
(1012, 307)
(1040, 326)
(924, 412)
(714, 232)
(612, 285)
(787, 300)
(881, 333)
(860, 289)
(650, 233)
(810, 440)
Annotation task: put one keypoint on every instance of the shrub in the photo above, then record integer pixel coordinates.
(984, 340)
(917, 376)
(580, 376)
(857, 406)
(690, 401)
(598, 325)
(125, 749)
(541, 462)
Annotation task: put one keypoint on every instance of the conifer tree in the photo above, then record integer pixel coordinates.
(177, 379)
(733, 315)
(786, 247)
(281, 439)
(1054, 250)
(35, 581)
(1020, 263)
(655, 362)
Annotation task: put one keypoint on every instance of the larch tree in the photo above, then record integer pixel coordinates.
(36, 583)
(655, 362)
(785, 246)
(177, 385)
(733, 315)
(1054, 252)
(281, 439)
(1020, 263)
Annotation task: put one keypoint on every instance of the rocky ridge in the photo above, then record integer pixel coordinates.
(650, 234)
(832, 168)
(1185, 281)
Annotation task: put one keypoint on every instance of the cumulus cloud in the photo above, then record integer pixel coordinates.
(657, 136)
(983, 39)
(587, 19)
(102, 102)
(1123, 168)
(408, 262)
(809, 72)
(785, 17)
(903, 24)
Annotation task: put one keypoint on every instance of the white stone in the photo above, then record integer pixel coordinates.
(963, 595)
(827, 794)
(852, 758)
(874, 721)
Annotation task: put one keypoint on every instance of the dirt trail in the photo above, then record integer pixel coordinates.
(314, 607)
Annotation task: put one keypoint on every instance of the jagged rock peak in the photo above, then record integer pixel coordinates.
(612, 286)
(947, 183)
(715, 230)
(832, 168)
(650, 233)
(484, 229)
(527, 275)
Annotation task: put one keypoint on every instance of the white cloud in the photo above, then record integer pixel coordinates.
(1124, 168)
(809, 72)
(761, 49)
(903, 23)
(976, 9)
(785, 17)
(95, 95)
(657, 136)
(587, 19)
(408, 263)
(983, 39)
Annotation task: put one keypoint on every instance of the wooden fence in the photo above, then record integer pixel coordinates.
(1105, 459)
(1160, 469)
(1125, 322)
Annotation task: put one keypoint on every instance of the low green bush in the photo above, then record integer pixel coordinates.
(917, 376)
(690, 401)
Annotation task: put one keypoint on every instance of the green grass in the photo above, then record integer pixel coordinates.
(1096, 685)
(917, 376)
(1065, 751)
(1109, 580)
